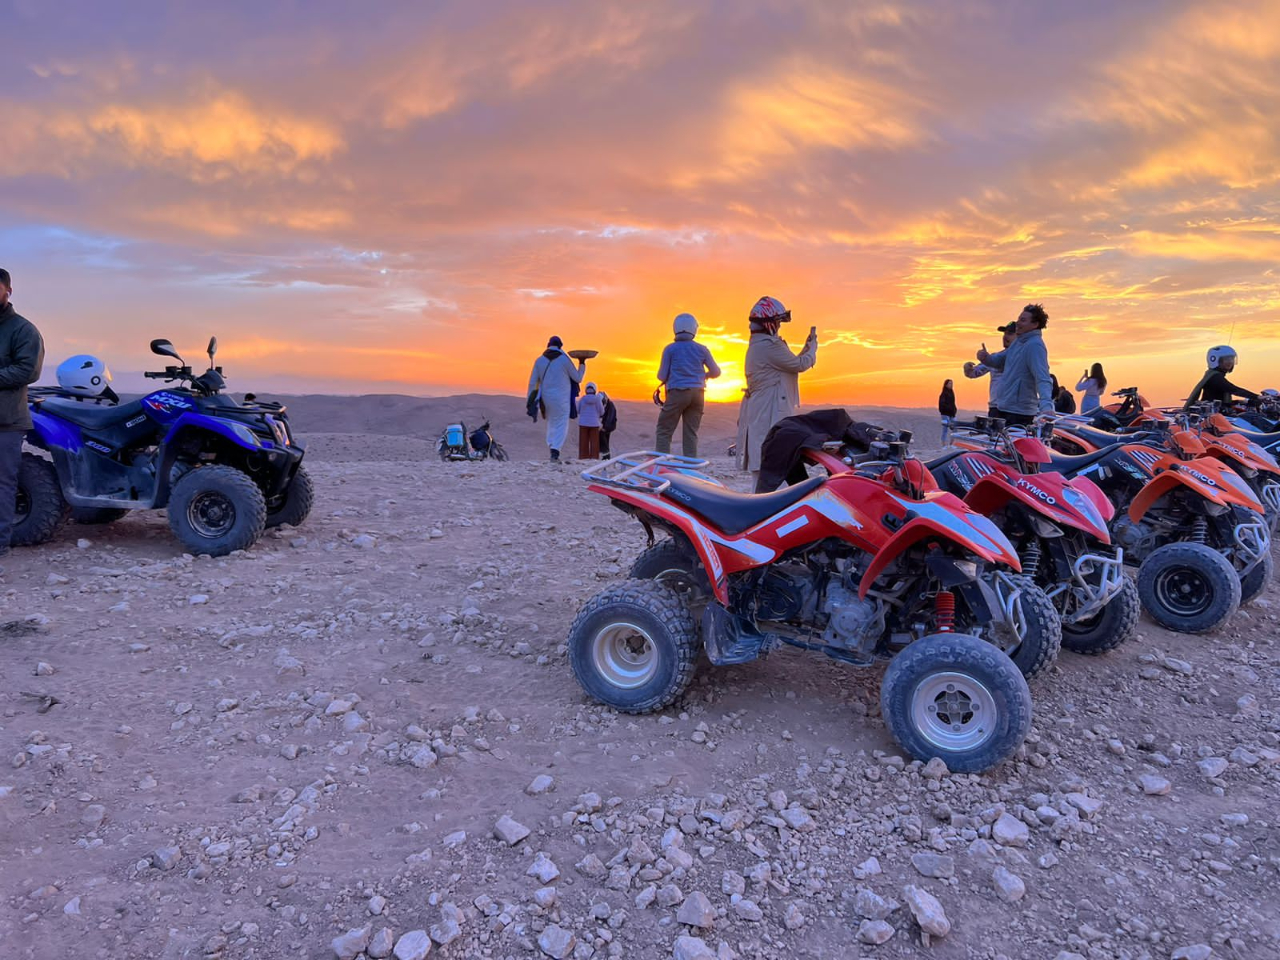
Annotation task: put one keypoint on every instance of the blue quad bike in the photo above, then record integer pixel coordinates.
(224, 470)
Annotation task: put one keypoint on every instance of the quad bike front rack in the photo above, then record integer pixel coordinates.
(646, 470)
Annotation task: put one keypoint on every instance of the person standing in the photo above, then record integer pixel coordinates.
(590, 416)
(21, 359)
(947, 409)
(551, 389)
(1025, 388)
(608, 424)
(685, 368)
(975, 370)
(1064, 401)
(1094, 385)
(773, 379)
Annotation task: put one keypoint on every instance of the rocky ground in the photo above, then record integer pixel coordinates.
(362, 736)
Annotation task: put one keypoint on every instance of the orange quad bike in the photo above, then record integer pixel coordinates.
(1191, 523)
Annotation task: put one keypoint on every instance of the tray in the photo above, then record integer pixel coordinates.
(584, 354)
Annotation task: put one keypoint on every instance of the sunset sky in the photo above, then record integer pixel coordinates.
(411, 197)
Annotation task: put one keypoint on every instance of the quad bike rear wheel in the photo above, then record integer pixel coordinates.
(39, 507)
(1111, 626)
(956, 697)
(296, 504)
(634, 646)
(1188, 587)
(216, 509)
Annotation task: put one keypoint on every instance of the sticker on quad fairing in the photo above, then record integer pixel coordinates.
(136, 420)
(167, 402)
(1207, 481)
(95, 445)
(961, 475)
(1041, 495)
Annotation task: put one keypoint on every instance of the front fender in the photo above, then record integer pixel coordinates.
(935, 519)
(1042, 493)
(1101, 502)
(1204, 478)
(237, 433)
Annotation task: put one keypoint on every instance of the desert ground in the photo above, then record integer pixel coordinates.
(362, 738)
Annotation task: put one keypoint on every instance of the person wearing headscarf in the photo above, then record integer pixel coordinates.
(590, 416)
(552, 386)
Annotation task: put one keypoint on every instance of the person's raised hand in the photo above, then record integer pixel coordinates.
(983, 354)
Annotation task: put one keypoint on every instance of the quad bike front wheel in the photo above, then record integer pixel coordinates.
(1031, 630)
(634, 646)
(216, 509)
(1188, 587)
(1111, 626)
(296, 504)
(956, 697)
(39, 508)
(1255, 581)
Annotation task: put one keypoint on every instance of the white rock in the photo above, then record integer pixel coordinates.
(1212, 767)
(1009, 886)
(414, 945)
(509, 831)
(351, 944)
(44, 669)
(379, 944)
(556, 942)
(543, 869)
(692, 948)
(542, 783)
(1154, 786)
(697, 911)
(874, 932)
(927, 911)
(1009, 831)
(198, 599)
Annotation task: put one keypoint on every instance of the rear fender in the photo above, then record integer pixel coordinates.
(720, 555)
(53, 433)
(942, 517)
(827, 461)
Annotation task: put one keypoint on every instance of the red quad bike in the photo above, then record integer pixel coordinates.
(1058, 526)
(1193, 525)
(848, 566)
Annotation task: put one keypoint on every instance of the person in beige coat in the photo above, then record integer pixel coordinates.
(773, 379)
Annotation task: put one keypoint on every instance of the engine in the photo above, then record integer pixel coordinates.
(853, 623)
(787, 593)
(1137, 539)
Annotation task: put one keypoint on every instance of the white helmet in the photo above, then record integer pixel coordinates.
(685, 323)
(1219, 353)
(85, 375)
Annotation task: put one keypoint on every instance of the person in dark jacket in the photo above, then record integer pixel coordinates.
(1064, 400)
(608, 424)
(782, 453)
(1214, 385)
(947, 409)
(21, 359)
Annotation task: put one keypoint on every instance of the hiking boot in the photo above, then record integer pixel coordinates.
(555, 456)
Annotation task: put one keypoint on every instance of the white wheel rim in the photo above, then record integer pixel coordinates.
(624, 655)
(953, 711)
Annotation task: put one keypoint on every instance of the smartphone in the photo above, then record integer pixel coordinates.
(813, 333)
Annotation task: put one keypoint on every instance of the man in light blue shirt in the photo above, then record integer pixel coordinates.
(1025, 388)
(685, 368)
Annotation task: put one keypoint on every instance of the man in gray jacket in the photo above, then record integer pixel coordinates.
(1025, 388)
(21, 357)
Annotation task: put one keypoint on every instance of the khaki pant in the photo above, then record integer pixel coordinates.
(685, 404)
(588, 443)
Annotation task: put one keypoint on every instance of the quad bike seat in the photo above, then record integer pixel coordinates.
(92, 416)
(731, 512)
(1101, 438)
(1067, 466)
(943, 460)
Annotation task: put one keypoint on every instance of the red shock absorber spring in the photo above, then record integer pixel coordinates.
(944, 611)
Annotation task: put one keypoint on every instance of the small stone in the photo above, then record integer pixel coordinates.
(446, 931)
(748, 910)
(1009, 886)
(1196, 951)
(556, 942)
(166, 858)
(541, 784)
(1009, 831)
(1212, 767)
(1085, 803)
(1234, 819)
(1177, 666)
(380, 944)
(874, 932)
(927, 911)
(935, 865)
(545, 897)
(354, 723)
(509, 831)
(351, 944)
(669, 895)
(793, 917)
(44, 669)
(692, 948)
(93, 816)
(543, 869)
(377, 905)
(1154, 786)
(798, 819)
(869, 867)
(72, 907)
(935, 769)
(414, 945)
(198, 599)
(227, 704)
(697, 911)
(869, 904)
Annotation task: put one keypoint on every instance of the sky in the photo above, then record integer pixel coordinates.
(412, 197)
